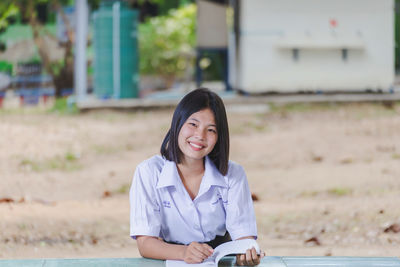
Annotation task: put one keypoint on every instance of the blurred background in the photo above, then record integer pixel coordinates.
(87, 91)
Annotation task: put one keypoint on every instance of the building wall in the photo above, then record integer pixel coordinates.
(294, 45)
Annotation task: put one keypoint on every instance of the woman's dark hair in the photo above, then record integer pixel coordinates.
(195, 101)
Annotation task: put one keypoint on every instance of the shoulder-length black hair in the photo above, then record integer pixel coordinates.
(199, 99)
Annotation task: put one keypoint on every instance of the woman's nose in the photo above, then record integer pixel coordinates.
(200, 133)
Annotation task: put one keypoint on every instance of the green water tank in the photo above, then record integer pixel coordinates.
(116, 73)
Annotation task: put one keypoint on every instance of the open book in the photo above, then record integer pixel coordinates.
(232, 247)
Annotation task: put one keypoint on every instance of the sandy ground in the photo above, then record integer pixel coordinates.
(328, 172)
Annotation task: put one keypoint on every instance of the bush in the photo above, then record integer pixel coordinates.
(166, 41)
(6, 66)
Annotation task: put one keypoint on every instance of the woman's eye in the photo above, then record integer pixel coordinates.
(212, 130)
(192, 124)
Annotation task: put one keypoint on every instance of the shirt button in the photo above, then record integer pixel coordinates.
(196, 227)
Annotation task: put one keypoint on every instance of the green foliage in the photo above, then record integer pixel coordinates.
(67, 163)
(340, 191)
(61, 106)
(6, 66)
(395, 156)
(105, 149)
(166, 41)
(57, 66)
(70, 157)
(34, 60)
(165, 6)
(7, 10)
(123, 189)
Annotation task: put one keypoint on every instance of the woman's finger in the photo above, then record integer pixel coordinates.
(249, 259)
(243, 259)
(201, 251)
(208, 249)
(196, 259)
(194, 253)
(240, 259)
(254, 256)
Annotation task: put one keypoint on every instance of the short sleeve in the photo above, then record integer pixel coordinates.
(145, 218)
(240, 217)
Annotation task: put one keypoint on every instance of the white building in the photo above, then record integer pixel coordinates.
(307, 45)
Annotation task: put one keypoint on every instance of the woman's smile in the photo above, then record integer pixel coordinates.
(198, 135)
(196, 146)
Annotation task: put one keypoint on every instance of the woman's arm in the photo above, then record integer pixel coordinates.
(250, 258)
(152, 247)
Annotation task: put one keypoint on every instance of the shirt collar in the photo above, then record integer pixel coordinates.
(212, 176)
(169, 175)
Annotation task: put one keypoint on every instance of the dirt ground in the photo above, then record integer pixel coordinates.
(328, 174)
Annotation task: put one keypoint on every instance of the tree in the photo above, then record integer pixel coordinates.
(167, 43)
(61, 71)
(6, 12)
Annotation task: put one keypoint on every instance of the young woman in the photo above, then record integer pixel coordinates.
(192, 198)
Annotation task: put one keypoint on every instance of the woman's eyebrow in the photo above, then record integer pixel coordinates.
(211, 124)
(194, 119)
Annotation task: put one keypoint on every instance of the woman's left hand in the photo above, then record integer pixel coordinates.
(250, 258)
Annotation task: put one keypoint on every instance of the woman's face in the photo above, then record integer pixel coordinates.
(198, 135)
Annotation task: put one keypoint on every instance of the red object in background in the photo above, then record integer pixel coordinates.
(45, 98)
(1, 101)
(333, 23)
(21, 100)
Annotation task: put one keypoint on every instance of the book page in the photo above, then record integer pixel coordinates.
(232, 247)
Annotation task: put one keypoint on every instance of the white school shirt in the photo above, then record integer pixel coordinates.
(161, 207)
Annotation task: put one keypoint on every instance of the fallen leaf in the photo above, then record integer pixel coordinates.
(94, 240)
(346, 161)
(317, 158)
(106, 194)
(6, 200)
(254, 197)
(328, 254)
(313, 240)
(395, 228)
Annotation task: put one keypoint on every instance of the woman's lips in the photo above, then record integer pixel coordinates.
(196, 146)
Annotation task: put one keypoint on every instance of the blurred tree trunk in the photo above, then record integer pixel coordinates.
(62, 73)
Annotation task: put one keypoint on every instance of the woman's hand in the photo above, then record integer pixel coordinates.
(197, 252)
(250, 258)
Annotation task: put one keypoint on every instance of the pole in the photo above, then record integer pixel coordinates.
(80, 68)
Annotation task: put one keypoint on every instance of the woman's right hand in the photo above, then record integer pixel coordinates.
(196, 252)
